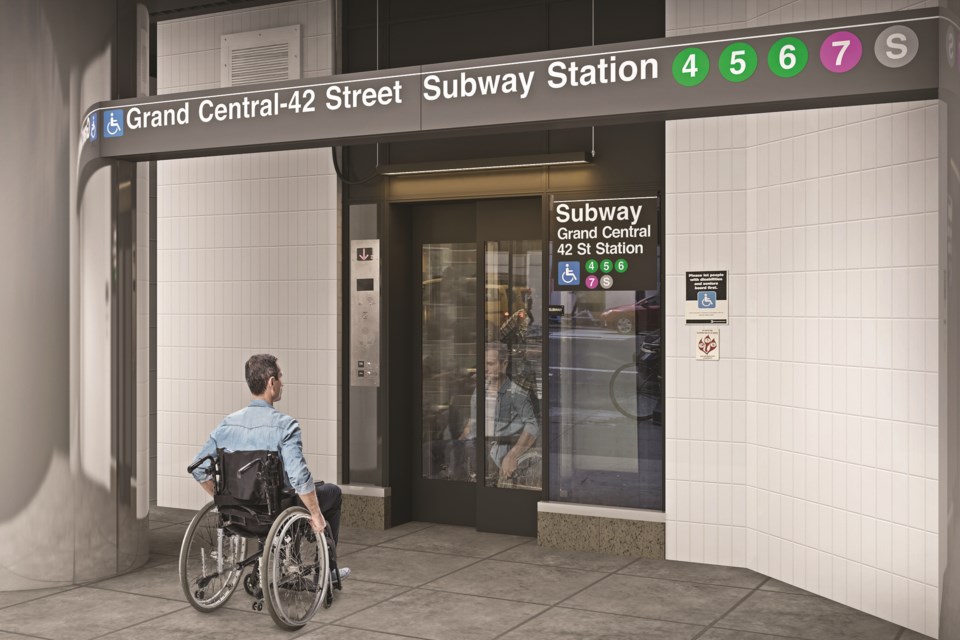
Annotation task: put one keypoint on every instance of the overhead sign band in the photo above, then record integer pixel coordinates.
(895, 55)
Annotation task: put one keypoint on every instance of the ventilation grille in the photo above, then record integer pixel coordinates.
(268, 55)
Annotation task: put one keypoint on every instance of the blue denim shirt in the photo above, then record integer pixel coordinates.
(260, 427)
(513, 415)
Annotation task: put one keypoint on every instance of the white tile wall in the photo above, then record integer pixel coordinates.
(826, 426)
(247, 260)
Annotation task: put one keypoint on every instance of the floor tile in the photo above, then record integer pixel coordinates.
(345, 548)
(80, 614)
(336, 632)
(783, 587)
(157, 559)
(808, 617)
(159, 581)
(563, 624)
(658, 599)
(909, 634)
(355, 535)
(166, 541)
(357, 595)
(169, 514)
(515, 581)
(694, 572)
(190, 624)
(14, 636)
(10, 598)
(436, 615)
(402, 567)
(458, 541)
(732, 634)
(535, 554)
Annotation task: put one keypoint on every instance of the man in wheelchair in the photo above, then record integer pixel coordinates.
(253, 467)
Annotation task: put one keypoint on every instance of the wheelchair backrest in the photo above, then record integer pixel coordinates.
(250, 479)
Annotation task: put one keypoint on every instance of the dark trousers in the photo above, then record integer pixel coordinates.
(330, 498)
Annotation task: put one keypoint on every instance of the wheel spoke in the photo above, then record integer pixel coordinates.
(295, 563)
(206, 589)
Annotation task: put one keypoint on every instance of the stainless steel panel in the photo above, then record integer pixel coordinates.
(364, 313)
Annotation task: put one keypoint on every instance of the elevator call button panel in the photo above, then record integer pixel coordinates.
(365, 313)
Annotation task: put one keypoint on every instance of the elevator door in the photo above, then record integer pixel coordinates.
(477, 414)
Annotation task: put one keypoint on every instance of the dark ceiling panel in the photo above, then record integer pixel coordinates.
(172, 9)
(445, 38)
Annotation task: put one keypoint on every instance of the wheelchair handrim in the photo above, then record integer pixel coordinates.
(274, 584)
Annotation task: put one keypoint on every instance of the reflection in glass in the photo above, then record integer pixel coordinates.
(606, 398)
(513, 340)
(449, 360)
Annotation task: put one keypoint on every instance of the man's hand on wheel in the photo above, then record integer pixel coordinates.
(318, 523)
(309, 500)
(508, 466)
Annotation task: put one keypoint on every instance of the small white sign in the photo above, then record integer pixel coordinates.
(707, 344)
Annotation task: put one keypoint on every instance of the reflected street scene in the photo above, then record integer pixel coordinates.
(512, 365)
(510, 409)
(606, 398)
(449, 345)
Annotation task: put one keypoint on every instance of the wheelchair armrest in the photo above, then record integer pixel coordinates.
(199, 462)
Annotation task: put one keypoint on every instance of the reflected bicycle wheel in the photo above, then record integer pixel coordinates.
(636, 390)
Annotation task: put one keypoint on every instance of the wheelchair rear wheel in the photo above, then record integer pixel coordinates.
(294, 569)
(209, 559)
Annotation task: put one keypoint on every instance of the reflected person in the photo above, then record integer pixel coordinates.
(512, 424)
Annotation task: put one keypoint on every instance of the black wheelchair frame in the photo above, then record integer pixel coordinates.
(250, 501)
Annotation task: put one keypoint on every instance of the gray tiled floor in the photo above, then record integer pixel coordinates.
(447, 583)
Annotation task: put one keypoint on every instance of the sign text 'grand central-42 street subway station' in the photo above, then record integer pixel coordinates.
(605, 243)
(889, 57)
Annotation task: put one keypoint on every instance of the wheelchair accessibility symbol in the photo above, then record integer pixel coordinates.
(568, 273)
(707, 300)
(93, 125)
(113, 123)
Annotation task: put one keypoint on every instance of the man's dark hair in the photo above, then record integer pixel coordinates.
(258, 370)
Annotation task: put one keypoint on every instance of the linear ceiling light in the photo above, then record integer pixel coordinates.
(487, 164)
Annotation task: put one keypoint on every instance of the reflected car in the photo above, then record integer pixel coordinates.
(643, 315)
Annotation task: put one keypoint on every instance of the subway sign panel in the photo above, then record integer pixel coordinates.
(886, 57)
(605, 243)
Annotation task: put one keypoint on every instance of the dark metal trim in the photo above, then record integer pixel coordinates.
(487, 164)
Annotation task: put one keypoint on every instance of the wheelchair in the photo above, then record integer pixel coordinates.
(291, 572)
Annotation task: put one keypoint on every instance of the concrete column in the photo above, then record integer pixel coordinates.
(69, 510)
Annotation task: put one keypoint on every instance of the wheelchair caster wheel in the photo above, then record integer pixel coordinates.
(250, 585)
(199, 595)
(257, 606)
